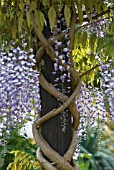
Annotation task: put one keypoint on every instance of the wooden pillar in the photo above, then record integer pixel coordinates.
(52, 129)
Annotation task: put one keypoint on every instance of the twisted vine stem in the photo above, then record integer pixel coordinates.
(57, 162)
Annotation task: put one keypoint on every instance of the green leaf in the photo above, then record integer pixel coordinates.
(112, 27)
(52, 17)
(80, 14)
(24, 167)
(84, 165)
(9, 166)
(20, 22)
(13, 166)
(33, 6)
(77, 40)
(23, 155)
(28, 19)
(21, 6)
(91, 77)
(39, 17)
(18, 156)
(14, 152)
(92, 41)
(100, 44)
(14, 30)
(84, 39)
(46, 3)
(92, 58)
(18, 166)
(25, 160)
(67, 15)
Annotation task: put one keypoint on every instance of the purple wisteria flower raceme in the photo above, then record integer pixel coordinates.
(19, 87)
(90, 104)
(108, 85)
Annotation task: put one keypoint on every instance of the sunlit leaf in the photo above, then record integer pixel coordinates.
(9, 166)
(39, 17)
(18, 156)
(18, 166)
(21, 6)
(67, 15)
(52, 17)
(46, 3)
(25, 160)
(13, 167)
(24, 167)
(33, 5)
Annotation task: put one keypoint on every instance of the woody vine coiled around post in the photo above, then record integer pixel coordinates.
(57, 161)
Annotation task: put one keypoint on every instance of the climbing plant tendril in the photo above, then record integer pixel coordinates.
(87, 114)
(53, 46)
(63, 64)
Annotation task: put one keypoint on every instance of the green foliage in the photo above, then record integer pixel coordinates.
(46, 3)
(39, 17)
(15, 20)
(33, 6)
(18, 152)
(67, 15)
(20, 22)
(16, 14)
(84, 165)
(52, 20)
(86, 48)
(23, 161)
(80, 12)
(95, 159)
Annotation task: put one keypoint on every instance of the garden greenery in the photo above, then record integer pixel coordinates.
(78, 39)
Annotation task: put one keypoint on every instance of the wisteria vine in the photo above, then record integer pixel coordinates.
(19, 89)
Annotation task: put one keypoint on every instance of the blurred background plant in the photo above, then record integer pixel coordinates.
(19, 153)
(97, 155)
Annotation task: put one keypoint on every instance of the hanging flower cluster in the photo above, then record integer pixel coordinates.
(108, 85)
(90, 104)
(100, 28)
(62, 53)
(19, 87)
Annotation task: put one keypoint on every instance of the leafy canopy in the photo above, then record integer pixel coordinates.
(15, 15)
(93, 34)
